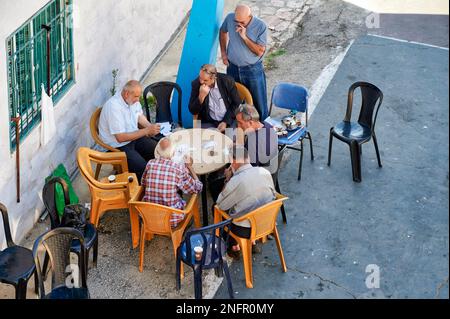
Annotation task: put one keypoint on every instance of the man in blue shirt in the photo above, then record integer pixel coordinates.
(123, 125)
(243, 40)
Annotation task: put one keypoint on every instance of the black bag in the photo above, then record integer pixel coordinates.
(75, 216)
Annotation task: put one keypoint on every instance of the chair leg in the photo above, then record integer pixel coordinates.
(301, 161)
(219, 270)
(246, 248)
(228, 277)
(36, 283)
(198, 282)
(98, 167)
(94, 213)
(21, 289)
(141, 250)
(177, 270)
(330, 146)
(95, 252)
(356, 161)
(283, 213)
(311, 146)
(376, 149)
(280, 250)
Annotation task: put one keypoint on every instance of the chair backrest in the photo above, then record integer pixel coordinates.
(162, 91)
(263, 219)
(85, 157)
(156, 218)
(211, 238)
(57, 243)
(290, 96)
(8, 237)
(48, 195)
(370, 94)
(93, 124)
(244, 93)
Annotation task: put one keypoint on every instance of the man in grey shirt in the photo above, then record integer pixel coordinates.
(248, 188)
(243, 40)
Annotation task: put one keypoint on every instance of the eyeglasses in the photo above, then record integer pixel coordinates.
(210, 73)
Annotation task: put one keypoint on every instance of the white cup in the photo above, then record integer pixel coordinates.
(198, 252)
(112, 178)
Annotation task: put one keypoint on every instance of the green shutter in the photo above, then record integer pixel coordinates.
(27, 63)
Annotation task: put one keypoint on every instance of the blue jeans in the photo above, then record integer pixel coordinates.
(254, 78)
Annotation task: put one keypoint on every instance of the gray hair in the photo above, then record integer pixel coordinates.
(209, 69)
(131, 85)
(166, 152)
(249, 112)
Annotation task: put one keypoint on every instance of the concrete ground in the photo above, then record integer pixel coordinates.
(396, 218)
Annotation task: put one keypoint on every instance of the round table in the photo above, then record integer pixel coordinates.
(209, 150)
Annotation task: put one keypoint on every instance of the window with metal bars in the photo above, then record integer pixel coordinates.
(27, 64)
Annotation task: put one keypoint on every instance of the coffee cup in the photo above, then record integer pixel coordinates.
(198, 253)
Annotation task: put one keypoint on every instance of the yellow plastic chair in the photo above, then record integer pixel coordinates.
(105, 195)
(263, 223)
(244, 94)
(156, 221)
(93, 124)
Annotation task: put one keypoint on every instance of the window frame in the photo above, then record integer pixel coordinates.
(26, 58)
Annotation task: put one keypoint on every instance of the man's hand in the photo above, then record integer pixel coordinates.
(153, 129)
(225, 59)
(204, 91)
(242, 31)
(188, 160)
(222, 126)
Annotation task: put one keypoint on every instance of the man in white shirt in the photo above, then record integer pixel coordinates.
(123, 125)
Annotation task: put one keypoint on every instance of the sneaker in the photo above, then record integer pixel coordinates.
(235, 255)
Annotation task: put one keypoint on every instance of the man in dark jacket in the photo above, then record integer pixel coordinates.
(214, 98)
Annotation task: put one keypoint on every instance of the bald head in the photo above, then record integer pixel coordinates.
(242, 12)
(165, 148)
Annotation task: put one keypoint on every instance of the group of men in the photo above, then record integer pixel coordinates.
(216, 102)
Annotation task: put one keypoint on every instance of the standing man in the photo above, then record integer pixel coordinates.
(123, 125)
(243, 40)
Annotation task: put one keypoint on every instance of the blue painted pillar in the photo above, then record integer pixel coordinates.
(200, 47)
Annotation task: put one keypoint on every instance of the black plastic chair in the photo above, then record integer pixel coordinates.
(357, 133)
(212, 239)
(90, 235)
(292, 96)
(16, 262)
(281, 150)
(162, 91)
(57, 244)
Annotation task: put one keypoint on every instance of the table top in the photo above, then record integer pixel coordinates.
(208, 148)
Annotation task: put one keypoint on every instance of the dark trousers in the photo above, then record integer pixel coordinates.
(254, 79)
(139, 152)
(240, 231)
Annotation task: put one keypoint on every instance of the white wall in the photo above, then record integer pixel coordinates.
(120, 34)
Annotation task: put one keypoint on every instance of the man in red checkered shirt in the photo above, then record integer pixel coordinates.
(163, 179)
